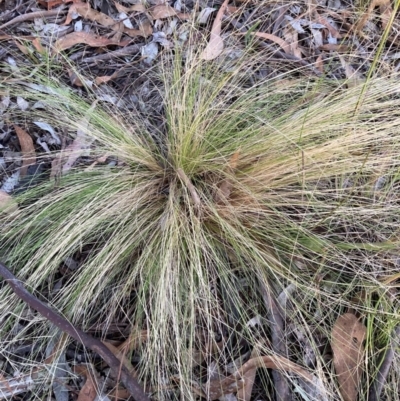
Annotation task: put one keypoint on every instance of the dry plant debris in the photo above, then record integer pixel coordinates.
(91, 343)
(348, 336)
(7, 203)
(27, 149)
(216, 44)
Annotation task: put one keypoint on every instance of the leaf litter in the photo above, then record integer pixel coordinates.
(348, 336)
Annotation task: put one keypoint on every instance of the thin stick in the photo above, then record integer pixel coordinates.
(276, 319)
(125, 51)
(131, 384)
(32, 16)
(377, 387)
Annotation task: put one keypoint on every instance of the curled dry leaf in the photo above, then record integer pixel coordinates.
(89, 390)
(244, 394)
(204, 14)
(106, 78)
(216, 45)
(7, 204)
(27, 149)
(162, 11)
(74, 38)
(38, 46)
(140, 8)
(165, 11)
(143, 30)
(283, 44)
(348, 335)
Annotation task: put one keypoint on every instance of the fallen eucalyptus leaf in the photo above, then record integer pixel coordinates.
(348, 335)
(90, 39)
(27, 149)
(216, 45)
(7, 203)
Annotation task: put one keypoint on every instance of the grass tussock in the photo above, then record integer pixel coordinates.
(285, 184)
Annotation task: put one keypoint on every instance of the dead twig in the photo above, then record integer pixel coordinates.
(32, 16)
(125, 51)
(377, 387)
(131, 384)
(275, 316)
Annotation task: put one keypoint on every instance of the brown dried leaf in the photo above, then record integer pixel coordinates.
(319, 64)
(385, 9)
(162, 11)
(145, 28)
(216, 44)
(90, 39)
(284, 45)
(244, 394)
(27, 149)
(386, 12)
(74, 151)
(335, 47)
(138, 32)
(89, 390)
(7, 204)
(121, 355)
(348, 335)
(140, 8)
(235, 382)
(22, 47)
(292, 39)
(74, 78)
(106, 78)
(38, 46)
(233, 161)
(85, 11)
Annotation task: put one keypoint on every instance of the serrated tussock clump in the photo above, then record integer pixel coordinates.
(249, 183)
